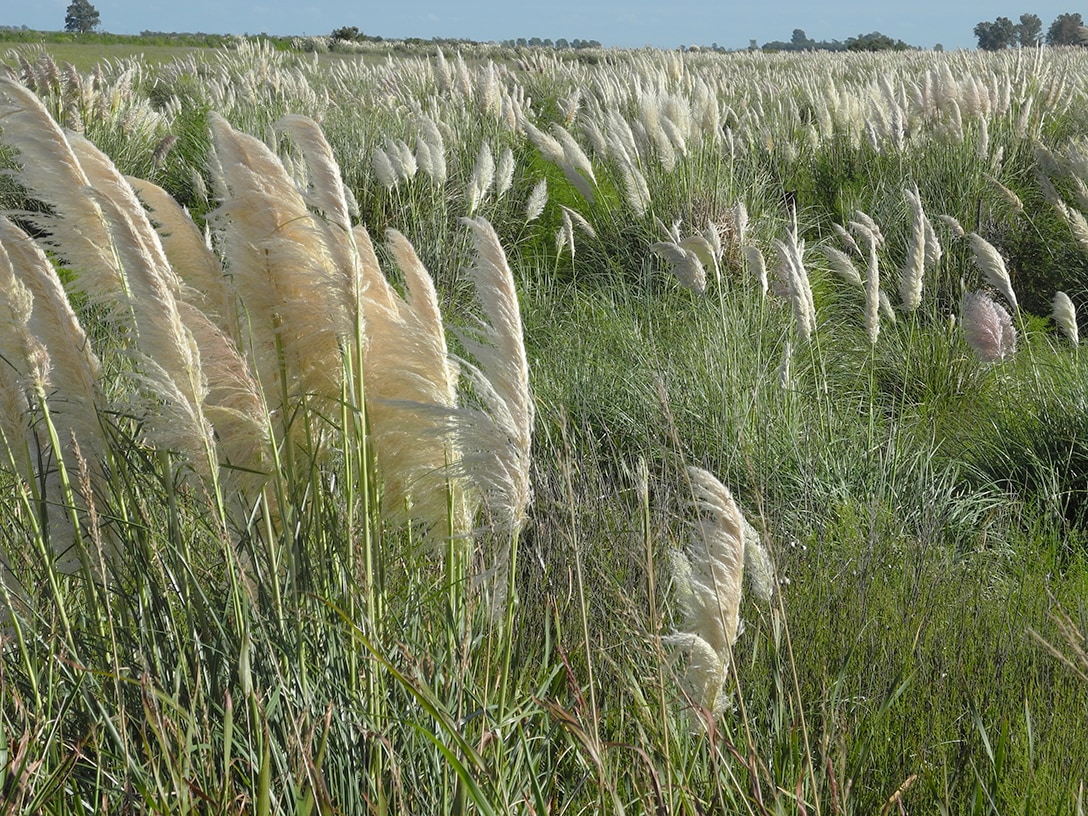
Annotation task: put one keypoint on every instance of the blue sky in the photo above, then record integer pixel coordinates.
(623, 23)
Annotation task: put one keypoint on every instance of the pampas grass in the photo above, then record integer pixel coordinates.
(495, 439)
(1064, 314)
(843, 266)
(791, 270)
(872, 288)
(50, 397)
(683, 263)
(756, 267)
(992, 265)
(536, 202)
(910, 285)
(49, 169)
(707, 576)
(409, 374)
(987, 327)
(297, 307)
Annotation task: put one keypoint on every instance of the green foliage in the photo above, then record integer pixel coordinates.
(81, 17)
(1066, 30)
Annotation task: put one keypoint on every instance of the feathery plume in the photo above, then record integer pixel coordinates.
(683, 263)
(579, 220)
(201, 273)
(708, 575)
(910, 285)
(635, 187)
(382, 164)
(987, 327)
(843, 266)
(756, 266)
(75, 396)
(431, 137)
(49, 169)
(233, 405)
(564, 236)
(712, 234)
(411, 385)
(791, 269)
(325, 191)
(846, 238)
(1064, 314)
(704, 251)
(872, 292)
(292, 286)
(758, 567)
(45, 366)
(168, 360)
(1010, 196)
(565, 153)
(866, 223)
(495, 440)
(952, 224)
(1078, 224)
(504, 173)
(783, 371)
(989, 260)
(537, 199)
(740, 222)
(483, 175)
(933, 251)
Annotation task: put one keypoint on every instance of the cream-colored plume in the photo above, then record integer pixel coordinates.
(989, 260)
(708, 576)
(910, 285)
(756, 266)
(987, 327)
(1064, 313)
(843, 266)
(289, 282)
(495, 439)
(50, 171)
(47, 365)
(791, 270)
(411, 385)
(538, 198)
(203, 282)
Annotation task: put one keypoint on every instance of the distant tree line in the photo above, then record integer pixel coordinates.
(561, 43)
(1002, 33)
(352, 34)
(874, 41)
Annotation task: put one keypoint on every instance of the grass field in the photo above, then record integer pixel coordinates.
(518, 431)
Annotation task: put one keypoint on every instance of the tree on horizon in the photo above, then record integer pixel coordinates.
(1066, 30)
(81, 17)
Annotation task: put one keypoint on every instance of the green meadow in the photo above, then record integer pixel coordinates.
(397, 429)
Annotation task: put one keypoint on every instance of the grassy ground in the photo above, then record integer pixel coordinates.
(296, 650)
(85, 57)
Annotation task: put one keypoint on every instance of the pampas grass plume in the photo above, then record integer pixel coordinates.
(989, 260)
(708, 576)
(483, 176)
(843, 266)
(683, 263)
(987, 327)
(756, 266)
(495, 441)
(538, 198)
(910, 286)
(1064, 314)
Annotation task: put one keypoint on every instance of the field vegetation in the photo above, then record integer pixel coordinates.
(502, 430)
